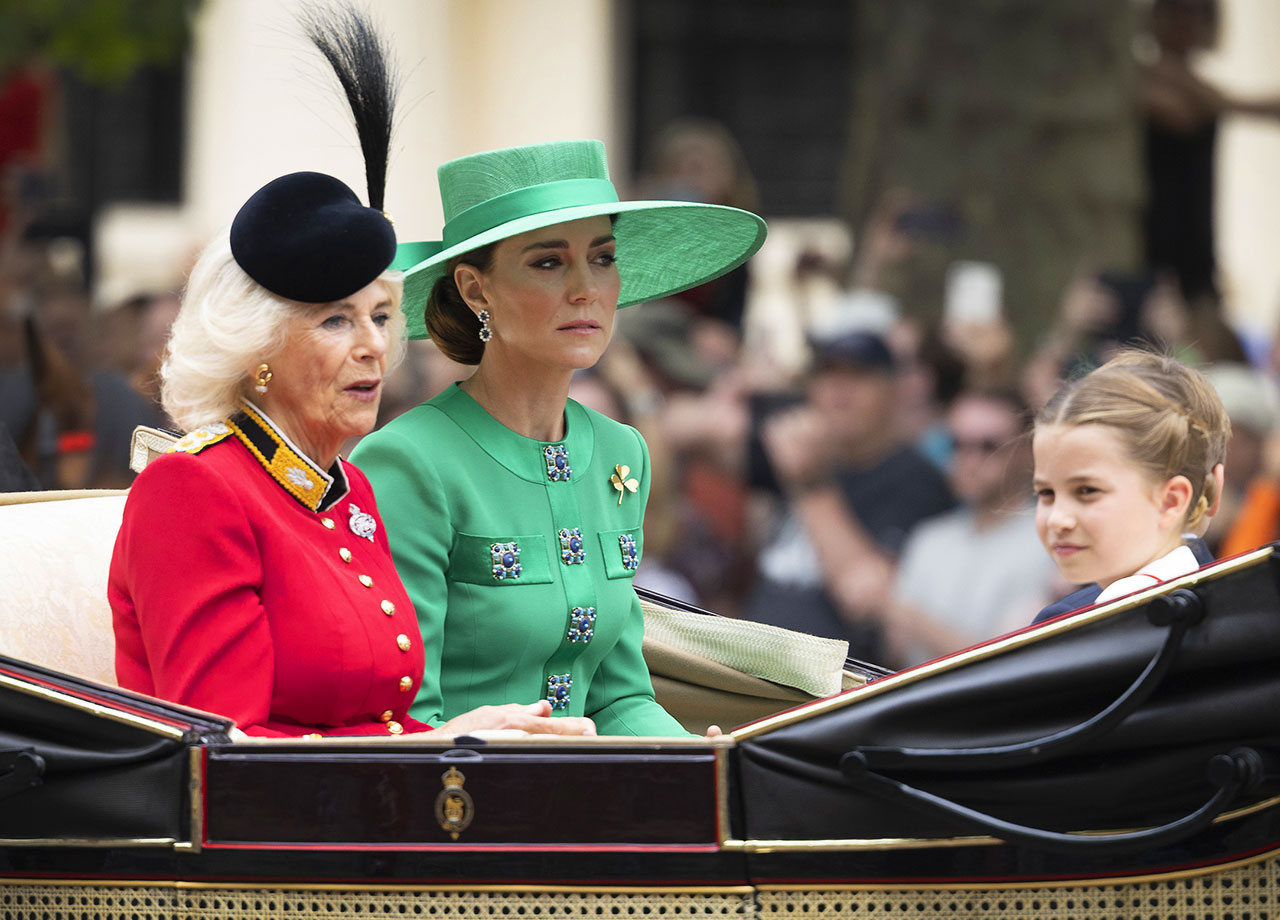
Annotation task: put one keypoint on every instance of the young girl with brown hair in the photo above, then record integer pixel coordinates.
(1128, 467)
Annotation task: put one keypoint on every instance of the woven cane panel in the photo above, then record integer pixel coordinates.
(1243, 893)
(65, 902)
(54, 902)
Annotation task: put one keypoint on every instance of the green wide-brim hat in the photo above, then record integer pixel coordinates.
(663, 246)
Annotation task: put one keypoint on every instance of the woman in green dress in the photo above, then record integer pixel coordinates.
(514, 513)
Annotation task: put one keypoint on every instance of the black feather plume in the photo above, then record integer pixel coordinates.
(364, 65)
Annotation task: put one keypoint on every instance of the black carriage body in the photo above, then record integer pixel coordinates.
(1088, 733)
(866, 795)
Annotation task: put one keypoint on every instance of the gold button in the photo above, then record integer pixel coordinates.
(312, 736)
(395, 728)
(388, 608)
(366, 581)
(406, 684)
(403, 641)
(344, 553)
(386, 715)
(328, 523)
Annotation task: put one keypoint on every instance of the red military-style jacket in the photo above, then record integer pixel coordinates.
(248, 582)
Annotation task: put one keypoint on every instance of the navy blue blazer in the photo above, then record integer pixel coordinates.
(1089, 593)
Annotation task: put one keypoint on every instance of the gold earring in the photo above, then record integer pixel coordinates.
(262, 378)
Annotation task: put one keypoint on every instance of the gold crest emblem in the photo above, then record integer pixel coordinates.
(454, 808)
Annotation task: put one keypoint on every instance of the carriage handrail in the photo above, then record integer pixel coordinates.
(1234, 773)
(1178, 610)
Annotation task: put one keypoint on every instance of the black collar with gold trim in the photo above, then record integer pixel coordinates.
(296, 473)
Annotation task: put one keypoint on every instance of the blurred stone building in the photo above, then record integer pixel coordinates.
(1018, 115)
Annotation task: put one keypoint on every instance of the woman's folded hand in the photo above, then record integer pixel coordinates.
(534, 718)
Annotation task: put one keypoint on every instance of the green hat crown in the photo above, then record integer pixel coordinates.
(664, 246)
(482, 178)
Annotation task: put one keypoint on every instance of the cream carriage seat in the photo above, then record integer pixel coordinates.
(55, 552)
(55, 549)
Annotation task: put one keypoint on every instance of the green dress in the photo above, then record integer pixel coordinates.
(519, 558)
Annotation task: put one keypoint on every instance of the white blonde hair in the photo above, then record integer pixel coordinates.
(229, 324)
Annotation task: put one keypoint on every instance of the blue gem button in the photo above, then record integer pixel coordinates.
(558, 686)
(506, 560)
(627, 543)
(582, 624)
(558, 469)
(571, 551)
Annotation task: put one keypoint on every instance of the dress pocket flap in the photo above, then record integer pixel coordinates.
(499, 561)
(621, 550)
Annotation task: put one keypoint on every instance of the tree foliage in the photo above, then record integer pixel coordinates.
(102, 41)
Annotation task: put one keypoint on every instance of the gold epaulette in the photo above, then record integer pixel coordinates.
(149, 443)
(198, 439)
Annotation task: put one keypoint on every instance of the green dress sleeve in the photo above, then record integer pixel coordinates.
(409, 494)
(620, 699)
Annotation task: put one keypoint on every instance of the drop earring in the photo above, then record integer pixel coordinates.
(262, 378)
(485, 332)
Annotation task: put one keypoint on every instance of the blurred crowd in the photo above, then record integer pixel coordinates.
(873, 482)
(75, 380)
(879, 488)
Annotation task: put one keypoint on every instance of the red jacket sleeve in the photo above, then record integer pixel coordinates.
(184, 591)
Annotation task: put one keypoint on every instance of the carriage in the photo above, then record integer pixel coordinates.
(1120, 762)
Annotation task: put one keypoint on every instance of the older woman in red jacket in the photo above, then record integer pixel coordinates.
(251, 575)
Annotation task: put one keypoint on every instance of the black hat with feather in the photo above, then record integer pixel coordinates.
(306, 236)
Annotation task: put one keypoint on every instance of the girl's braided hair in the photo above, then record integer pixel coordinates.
(1168, 415)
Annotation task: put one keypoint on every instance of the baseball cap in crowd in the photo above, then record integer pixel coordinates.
(860, 348)
(1249, 396)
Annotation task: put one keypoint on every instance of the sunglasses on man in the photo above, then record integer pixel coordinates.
(979, 445)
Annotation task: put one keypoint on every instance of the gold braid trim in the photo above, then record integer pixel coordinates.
(296, 474)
